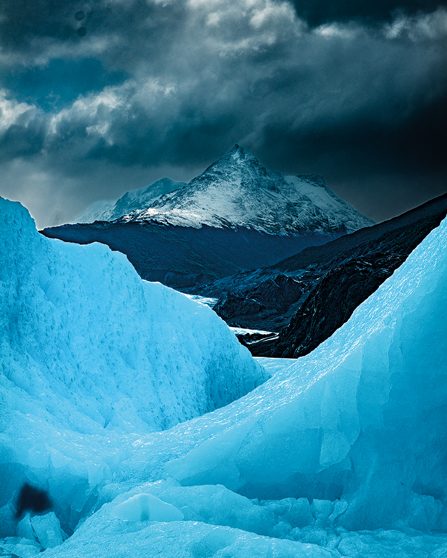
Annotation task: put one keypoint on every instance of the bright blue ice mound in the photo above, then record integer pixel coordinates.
(348, 439)
(362, 419)
(88, 349)
(96, 346)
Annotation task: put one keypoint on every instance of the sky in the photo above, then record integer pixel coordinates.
(100, 97)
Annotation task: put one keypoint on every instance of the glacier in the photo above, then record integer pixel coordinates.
(88, 350)
(340, 453)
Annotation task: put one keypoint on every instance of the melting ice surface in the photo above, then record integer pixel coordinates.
(342, 453)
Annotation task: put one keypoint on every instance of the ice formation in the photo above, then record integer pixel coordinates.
(343, 453)
(88, 350)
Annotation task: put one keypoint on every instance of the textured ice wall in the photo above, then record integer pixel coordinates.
(352, 437)
(362, 419)
(89, 351)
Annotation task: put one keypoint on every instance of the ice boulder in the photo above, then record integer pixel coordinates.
(43, 529)
(146, 507)
(90, 353)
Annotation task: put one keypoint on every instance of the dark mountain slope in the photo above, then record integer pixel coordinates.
(318, 289)
(355, 240)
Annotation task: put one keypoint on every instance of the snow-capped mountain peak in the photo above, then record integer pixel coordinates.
(238, 191)
(239, 155)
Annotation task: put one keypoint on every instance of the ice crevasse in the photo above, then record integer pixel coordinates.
(343, 453)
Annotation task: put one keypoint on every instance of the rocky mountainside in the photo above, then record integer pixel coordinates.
(305, 298)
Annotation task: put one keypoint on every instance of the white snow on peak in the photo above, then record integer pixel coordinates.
(237, 191)
(131, 201)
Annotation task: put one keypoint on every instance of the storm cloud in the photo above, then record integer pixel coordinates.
(316, 12)
(100, 97)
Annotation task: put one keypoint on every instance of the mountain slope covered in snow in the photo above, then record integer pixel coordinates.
(237, 215)
(238, 191)
(131, 201)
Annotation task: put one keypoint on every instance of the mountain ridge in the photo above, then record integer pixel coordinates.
(236, 215)
(128, 202)
(236, 191)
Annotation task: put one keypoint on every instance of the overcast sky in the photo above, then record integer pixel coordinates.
(99, 97)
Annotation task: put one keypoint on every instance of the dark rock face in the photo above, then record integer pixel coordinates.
(333, 280)
(331, 304)
(233, 305)
(278, 292)
(347, 284)
(266, 301)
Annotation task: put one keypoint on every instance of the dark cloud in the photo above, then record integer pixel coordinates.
(115, 30)
(382, 167)
(318, 12)
(159, 86)
(23, 22)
